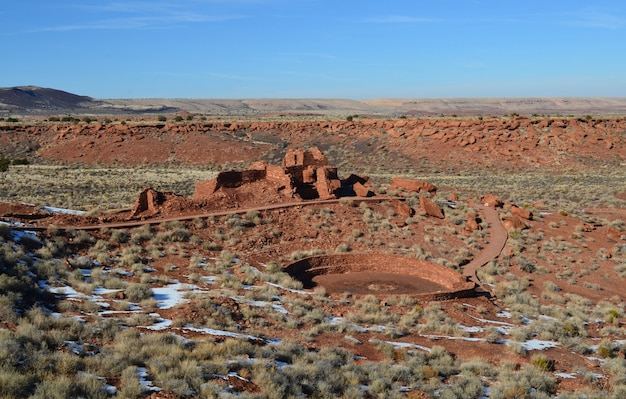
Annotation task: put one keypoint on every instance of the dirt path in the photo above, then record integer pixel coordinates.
(497, 233)
(497, 240)
(137, 223)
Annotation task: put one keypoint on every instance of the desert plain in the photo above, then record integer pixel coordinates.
(312, 248)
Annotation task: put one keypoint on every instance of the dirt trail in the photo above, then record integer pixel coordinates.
(497, 240)
(137, 223)
(497, 233)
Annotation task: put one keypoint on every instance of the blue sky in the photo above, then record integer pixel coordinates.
(316, 48)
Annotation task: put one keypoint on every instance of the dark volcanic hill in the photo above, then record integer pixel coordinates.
(36, 99)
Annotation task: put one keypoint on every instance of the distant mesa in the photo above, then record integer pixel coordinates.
(33, 100)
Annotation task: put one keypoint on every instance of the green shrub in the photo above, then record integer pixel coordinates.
(543, 363)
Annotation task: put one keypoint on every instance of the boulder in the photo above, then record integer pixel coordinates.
(403, 209)
(521, 212)
(361, 191)
(430, 208)
(413, 185)
(353, 179)
(471, 225)
(514, 222)
(491, 201)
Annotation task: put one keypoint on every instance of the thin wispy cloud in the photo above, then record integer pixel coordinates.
(137, 15)
(134, 23)
(398, 19)
(595, 19)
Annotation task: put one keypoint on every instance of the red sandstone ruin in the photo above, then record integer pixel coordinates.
(303, 175)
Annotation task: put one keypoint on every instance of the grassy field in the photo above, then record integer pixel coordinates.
(113, 187)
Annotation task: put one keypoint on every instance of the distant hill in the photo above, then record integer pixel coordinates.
(32, 100)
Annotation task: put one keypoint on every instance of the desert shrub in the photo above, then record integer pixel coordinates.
(526, 264)
(141, 234)
(138, 292)
(14, 384)
(542, 363)
(463, 386)
(119, 236)
(529, 382)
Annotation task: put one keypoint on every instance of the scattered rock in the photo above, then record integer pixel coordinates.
(403, 209)
(361, 191)
(430, 208)
(413, 185)
(514, 222)
(491, 201)
(521, 212)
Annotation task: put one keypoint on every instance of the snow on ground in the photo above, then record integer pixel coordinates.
(103, 291)
(18, 235)
(161, 324)
(172, 295)
(142, 373)
(71, 294)
(289, 289)
(261, 304)
(403, 345)
(487, 321)
(62, 211)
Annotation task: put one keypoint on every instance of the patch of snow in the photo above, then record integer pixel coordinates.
(62, 211)
(104, 291)
(18, 235)
(289, 289)
(110, 389)
(209, 279)
(171, 295)
(142, 373)
(536, 344)
(161, 324)
(565, 375)
(222, 333)
(261, 304)
(403, 345)
(504, 314)
(469, 339)
(75, 347)
(472, 329)
(501, 323)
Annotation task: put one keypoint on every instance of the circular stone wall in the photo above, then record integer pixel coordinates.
(380, 274)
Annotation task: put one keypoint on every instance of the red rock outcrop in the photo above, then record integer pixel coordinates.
(413, 185)
(361, 191)
(491, 201)
(403, 209)
(471, 222)
(430, 208)
(521, 212)
(514, 222)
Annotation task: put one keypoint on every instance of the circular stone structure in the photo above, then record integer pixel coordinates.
(381, 274)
